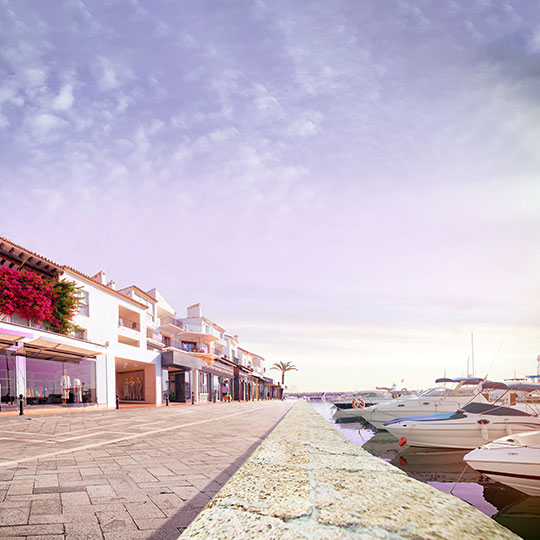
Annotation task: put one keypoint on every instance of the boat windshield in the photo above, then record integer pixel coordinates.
(493, 410)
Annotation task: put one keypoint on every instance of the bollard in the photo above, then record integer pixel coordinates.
(21, 405)
(193, 398)
(117, 401)
(215, 396)
(166, 401)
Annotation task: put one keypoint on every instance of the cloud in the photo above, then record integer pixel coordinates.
(64, 100)
(44, 125)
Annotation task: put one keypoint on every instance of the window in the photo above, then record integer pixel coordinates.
(80, 333)
(84, 308)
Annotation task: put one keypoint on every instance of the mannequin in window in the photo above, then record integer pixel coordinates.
(65, 384)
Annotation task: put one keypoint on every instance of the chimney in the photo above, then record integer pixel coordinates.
(194, 311)
(112, 284)
(100, 277)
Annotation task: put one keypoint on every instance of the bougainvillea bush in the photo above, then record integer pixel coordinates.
(37, 299)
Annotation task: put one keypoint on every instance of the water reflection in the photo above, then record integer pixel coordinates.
(445, 470)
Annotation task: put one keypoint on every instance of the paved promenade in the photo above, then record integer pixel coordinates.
(127, 474)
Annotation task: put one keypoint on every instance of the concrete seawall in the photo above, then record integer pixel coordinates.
(307, 481)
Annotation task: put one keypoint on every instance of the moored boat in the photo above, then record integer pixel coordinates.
(463, 390)
(513, 460)
(470, 426)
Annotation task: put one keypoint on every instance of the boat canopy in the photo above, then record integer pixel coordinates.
(463, 380)
(524, 387)
(521, 386)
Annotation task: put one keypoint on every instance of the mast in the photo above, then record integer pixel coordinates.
(472, 354)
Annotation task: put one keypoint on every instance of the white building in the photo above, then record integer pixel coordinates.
(130, 344)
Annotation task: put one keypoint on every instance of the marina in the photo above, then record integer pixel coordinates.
(445, 470)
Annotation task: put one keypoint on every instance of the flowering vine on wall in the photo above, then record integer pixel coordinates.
(32, 297)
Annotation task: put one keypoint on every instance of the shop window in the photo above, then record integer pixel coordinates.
(130, 385)
(49, 382)
(7, 379)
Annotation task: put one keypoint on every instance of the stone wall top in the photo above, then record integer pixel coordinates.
(307, 481)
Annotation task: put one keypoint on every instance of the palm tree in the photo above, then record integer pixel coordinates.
(283, 367)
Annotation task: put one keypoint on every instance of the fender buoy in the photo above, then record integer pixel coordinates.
(402, 441)
(358, 403)
(403, 461)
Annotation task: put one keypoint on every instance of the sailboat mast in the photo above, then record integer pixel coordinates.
(472, 354)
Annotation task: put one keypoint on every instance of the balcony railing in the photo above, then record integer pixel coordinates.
(128, 323)
(188, 348)
(15, 319)
(156, 336)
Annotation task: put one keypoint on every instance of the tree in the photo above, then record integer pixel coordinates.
(284, 367)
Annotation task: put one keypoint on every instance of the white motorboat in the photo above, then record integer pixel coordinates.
(350, 408)
(463, 390)
(470, 426)
(513, 460)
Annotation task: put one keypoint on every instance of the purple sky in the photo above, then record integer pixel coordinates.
(350, 185)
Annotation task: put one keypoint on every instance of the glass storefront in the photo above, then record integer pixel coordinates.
(204, 386)
(7, 379)
(130, 385)
(179, 386)
(50, 382)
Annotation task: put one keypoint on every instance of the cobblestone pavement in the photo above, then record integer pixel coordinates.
(133, 473)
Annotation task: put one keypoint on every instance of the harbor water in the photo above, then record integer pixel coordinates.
(444, 469)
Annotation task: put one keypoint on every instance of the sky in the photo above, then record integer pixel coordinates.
(352, 186)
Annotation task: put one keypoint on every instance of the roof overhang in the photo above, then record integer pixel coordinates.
(174, 358)
(196, 336)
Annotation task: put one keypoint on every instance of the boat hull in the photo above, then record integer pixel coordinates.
(465, 433)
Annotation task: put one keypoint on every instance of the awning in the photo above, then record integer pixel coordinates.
(219, 370)
(179, 359)
(8, 338)
(46, 349)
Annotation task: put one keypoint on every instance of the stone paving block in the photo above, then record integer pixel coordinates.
(46, 537)
(29, 530)
(185, 493)
(142, 477)
(75, 498)
(82, 531)
(21, 489)
(46, 480)
(93, 508)
(98, 493)
(51, 505)
(144, 510)
(14, 515)
(115, 521)
(79, 517)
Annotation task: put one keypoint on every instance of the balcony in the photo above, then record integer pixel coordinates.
(201, 349)
(154, 338)
(128, 323)
(172, 325)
